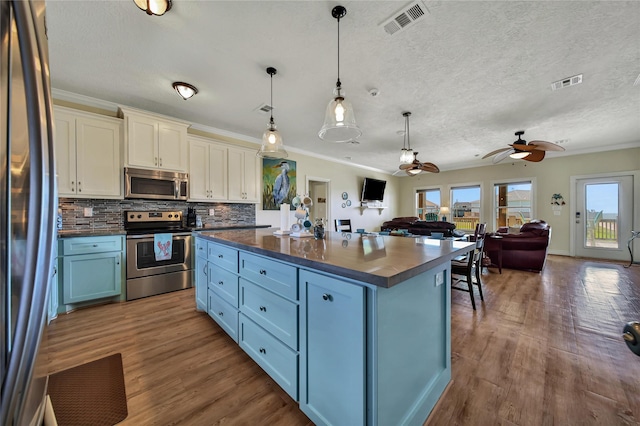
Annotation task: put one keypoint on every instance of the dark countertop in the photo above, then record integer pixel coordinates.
(229, 227)
(73, 233)
(383, 261)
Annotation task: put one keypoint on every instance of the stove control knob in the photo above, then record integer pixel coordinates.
(170, 215)
(139, 216)
(131, 216)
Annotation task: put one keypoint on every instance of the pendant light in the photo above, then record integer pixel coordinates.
(185, 90)
(406, 153)
(272, 146)
(154, 7)
(339, 120)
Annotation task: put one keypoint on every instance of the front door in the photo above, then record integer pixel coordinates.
(603, 217)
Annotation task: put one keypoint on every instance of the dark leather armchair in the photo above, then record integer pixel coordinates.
(526, 250)
(418, 227)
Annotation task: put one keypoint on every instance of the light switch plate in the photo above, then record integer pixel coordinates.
(439, 278)
(212, 212)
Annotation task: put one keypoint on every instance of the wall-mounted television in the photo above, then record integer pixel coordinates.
(373, 189)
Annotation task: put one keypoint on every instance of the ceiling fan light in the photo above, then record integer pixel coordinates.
(413, 172)
(185, 90)
(154, 7)
(519, 155)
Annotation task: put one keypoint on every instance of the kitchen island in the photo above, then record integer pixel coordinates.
(357, 328)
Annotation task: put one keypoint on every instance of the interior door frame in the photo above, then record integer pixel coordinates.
(635, 174)
(309, 179)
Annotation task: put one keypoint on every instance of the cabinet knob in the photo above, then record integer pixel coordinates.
(161, 161)
(155, 161)
(204, 270)
(327, 297)
(219, 256)
(95, 245)
(263, 308)
(263, 272)
(221, 282)
(263, 351)
(221, 313)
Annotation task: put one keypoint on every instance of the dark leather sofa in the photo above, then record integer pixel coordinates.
(418, 227)
(525, 250)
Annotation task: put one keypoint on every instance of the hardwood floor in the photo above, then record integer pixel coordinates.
(542, 349)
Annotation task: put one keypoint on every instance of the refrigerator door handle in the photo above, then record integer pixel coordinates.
(40, 232)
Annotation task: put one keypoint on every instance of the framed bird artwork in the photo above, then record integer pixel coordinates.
(278, 183)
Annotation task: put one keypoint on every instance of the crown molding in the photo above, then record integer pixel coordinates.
(63, 95)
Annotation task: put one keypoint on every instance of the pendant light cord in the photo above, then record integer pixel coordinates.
(338, 84)
(271, 112)
(408, 137)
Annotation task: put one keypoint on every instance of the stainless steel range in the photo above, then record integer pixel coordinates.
(147, 273)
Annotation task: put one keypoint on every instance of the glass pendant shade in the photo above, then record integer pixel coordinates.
(272, 146)
(154, 7)
(518, 155)
(413, 172)
(406, 156)
(339, 121)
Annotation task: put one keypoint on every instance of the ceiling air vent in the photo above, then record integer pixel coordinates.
(405, 17)
(566, 82)
(264, 109)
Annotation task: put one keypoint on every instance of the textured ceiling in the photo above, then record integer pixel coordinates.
(471, 73)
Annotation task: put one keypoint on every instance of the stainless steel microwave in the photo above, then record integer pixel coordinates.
(155, 184)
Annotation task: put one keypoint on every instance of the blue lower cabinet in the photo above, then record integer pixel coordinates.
(332, 334)
(201, 273)
(224, 314)
(276, 358)
(91, 276)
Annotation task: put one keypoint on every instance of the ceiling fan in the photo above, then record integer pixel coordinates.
(417, 167)
(520, 149)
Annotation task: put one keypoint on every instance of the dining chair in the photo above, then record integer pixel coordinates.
(343, 225)
(464, 268)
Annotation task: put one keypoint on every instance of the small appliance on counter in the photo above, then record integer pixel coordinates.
(191, 217)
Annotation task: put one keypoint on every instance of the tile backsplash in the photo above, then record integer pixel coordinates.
(109, 214)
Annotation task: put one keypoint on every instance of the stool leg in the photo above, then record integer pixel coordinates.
(478, 274)
(470, 283)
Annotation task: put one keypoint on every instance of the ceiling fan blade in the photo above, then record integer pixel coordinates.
(521, 147)
(535, 156)
(429, 167)
(396, 172)
(546, 146)
(406, 166)
(498, 158)
(492, 153)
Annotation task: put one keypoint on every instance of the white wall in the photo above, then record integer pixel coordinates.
(552, 176)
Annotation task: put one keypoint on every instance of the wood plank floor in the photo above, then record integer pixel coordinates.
(543, 349)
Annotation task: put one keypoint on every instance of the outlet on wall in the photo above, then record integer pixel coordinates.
(88, 211)
(212, 212)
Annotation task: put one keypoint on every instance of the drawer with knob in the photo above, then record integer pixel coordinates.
(278, 277)
(280, 362)
(275, 314)
(87, 245)
(224, 283)
(224, 314)
(223, 256)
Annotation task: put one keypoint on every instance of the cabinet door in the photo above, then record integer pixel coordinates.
(172, 147)
(217, 172)
(236, 174)
(142, 142)
(98, 164)
(202, 272)
(91, 276)
(251, 185)
(65, 147)
(332, 352)
(198, 171)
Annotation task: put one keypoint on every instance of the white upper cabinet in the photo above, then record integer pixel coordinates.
(88, 154)
(155, 142)
(243, 175)
(207, 170)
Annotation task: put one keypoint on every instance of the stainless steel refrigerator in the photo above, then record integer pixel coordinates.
(28, 205)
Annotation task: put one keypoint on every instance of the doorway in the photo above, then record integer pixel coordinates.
(603, 216)
(319, 190)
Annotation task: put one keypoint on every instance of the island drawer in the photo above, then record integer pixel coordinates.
(88, 245)
(224, 314)
(201, 247)
(280, 362)
(224, 283)
(223, 256)
(275, 276)
(275, 314)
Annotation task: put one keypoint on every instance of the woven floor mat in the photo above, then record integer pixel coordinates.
(90, 394)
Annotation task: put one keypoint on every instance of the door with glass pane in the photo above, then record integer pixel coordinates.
(603, 217)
